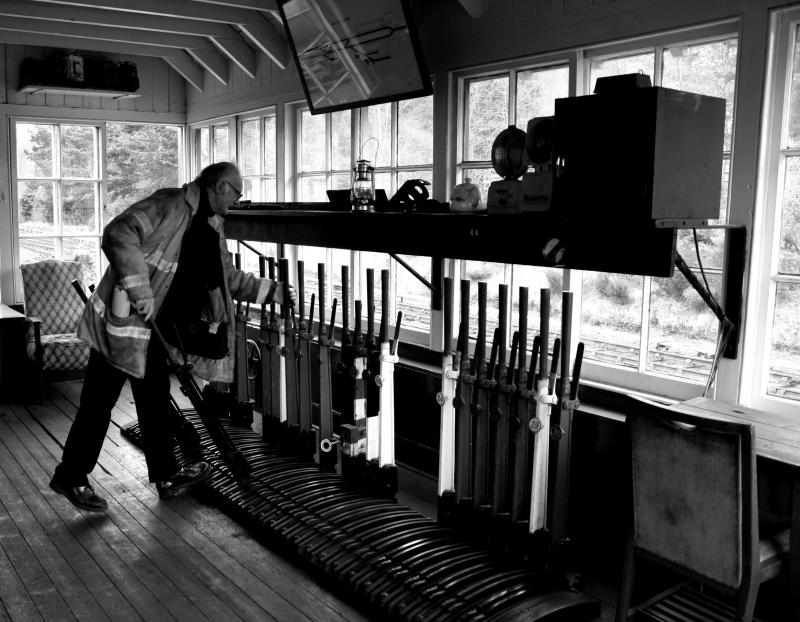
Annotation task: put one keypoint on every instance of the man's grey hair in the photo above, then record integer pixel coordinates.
(211, 174)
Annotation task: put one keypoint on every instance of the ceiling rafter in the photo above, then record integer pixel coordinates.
(245, 26)
(223, 35)
(190, 70)
(204, 52)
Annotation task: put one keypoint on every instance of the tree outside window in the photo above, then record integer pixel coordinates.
(61, 184)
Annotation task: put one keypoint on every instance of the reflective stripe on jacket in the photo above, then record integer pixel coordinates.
(142, 245)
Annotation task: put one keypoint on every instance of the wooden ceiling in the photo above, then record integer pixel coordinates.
(198, 38)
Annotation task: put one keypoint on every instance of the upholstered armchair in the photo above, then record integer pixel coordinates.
(53, 309)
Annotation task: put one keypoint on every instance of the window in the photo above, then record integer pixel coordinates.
(489, 104)
(58, 193)
(661, 325)
(323, 154)
(645, 333)
(66, 191)
(397, 138)
(212, 143)
(774, 298)
(258, 157)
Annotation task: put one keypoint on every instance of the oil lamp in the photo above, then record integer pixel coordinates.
(362, 194)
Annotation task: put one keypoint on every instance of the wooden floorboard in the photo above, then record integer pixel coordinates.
(143, 559)
(228, 537)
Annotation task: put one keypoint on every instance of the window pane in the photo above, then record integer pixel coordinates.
(683, 330)
(312, 188)
(251, 189)
(339, 182)
(793, 138)
(415, 131)
(384, 180)
(35, 150)
(205, 147)
(487, 116)
(789, 254)
(377, 144)
(537, 90)
(481, 177)
(312, 145)
(36, 208)
(611, 318)
(221, 146)
(270, 189)
(425, 175)
(140, 159)
(784, 355)
(78, 151)
(708, 69)
(270, 146)
(536, 279)
(251, 145)
(86, 251)
(601, 68)
(412, 297)
(340, 141)
(78, 202)
(36, 249)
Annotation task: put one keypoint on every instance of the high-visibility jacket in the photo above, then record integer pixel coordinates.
(143, 245)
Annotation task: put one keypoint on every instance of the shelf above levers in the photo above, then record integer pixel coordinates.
(531, 239)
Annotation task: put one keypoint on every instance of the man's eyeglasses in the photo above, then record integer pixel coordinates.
(235, 190)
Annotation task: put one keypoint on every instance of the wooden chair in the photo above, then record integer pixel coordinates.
(695, 510)
(53, 309)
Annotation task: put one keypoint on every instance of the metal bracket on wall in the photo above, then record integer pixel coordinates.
(731, 314)
(436, 276)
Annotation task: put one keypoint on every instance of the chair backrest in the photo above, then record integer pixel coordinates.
(694, 494)
(50, 296)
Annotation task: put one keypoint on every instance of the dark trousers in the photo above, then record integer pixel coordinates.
(101, 389)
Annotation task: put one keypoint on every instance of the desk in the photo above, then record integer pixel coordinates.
(12, 349)
(777, 439)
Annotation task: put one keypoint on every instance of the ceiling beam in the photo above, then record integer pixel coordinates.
(186, 67)
(255, 25)
(118, 19)
(257, 5)
(199, 47)
(234, 47)
(267, 39)
(184, 9)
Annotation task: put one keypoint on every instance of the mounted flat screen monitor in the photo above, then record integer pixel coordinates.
(353, 53)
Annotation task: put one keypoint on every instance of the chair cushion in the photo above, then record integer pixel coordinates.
(61, 352)
(49, 294)
(687, 498)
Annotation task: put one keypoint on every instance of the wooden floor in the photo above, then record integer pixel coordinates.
(145, 559)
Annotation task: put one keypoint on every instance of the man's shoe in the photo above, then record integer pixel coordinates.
(184, 479)
(83, 497)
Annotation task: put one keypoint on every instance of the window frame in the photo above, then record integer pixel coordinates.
(579, 62)
(58, 180)
(764, 277)
(101, 181)
(261, 117)
(195, 142)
